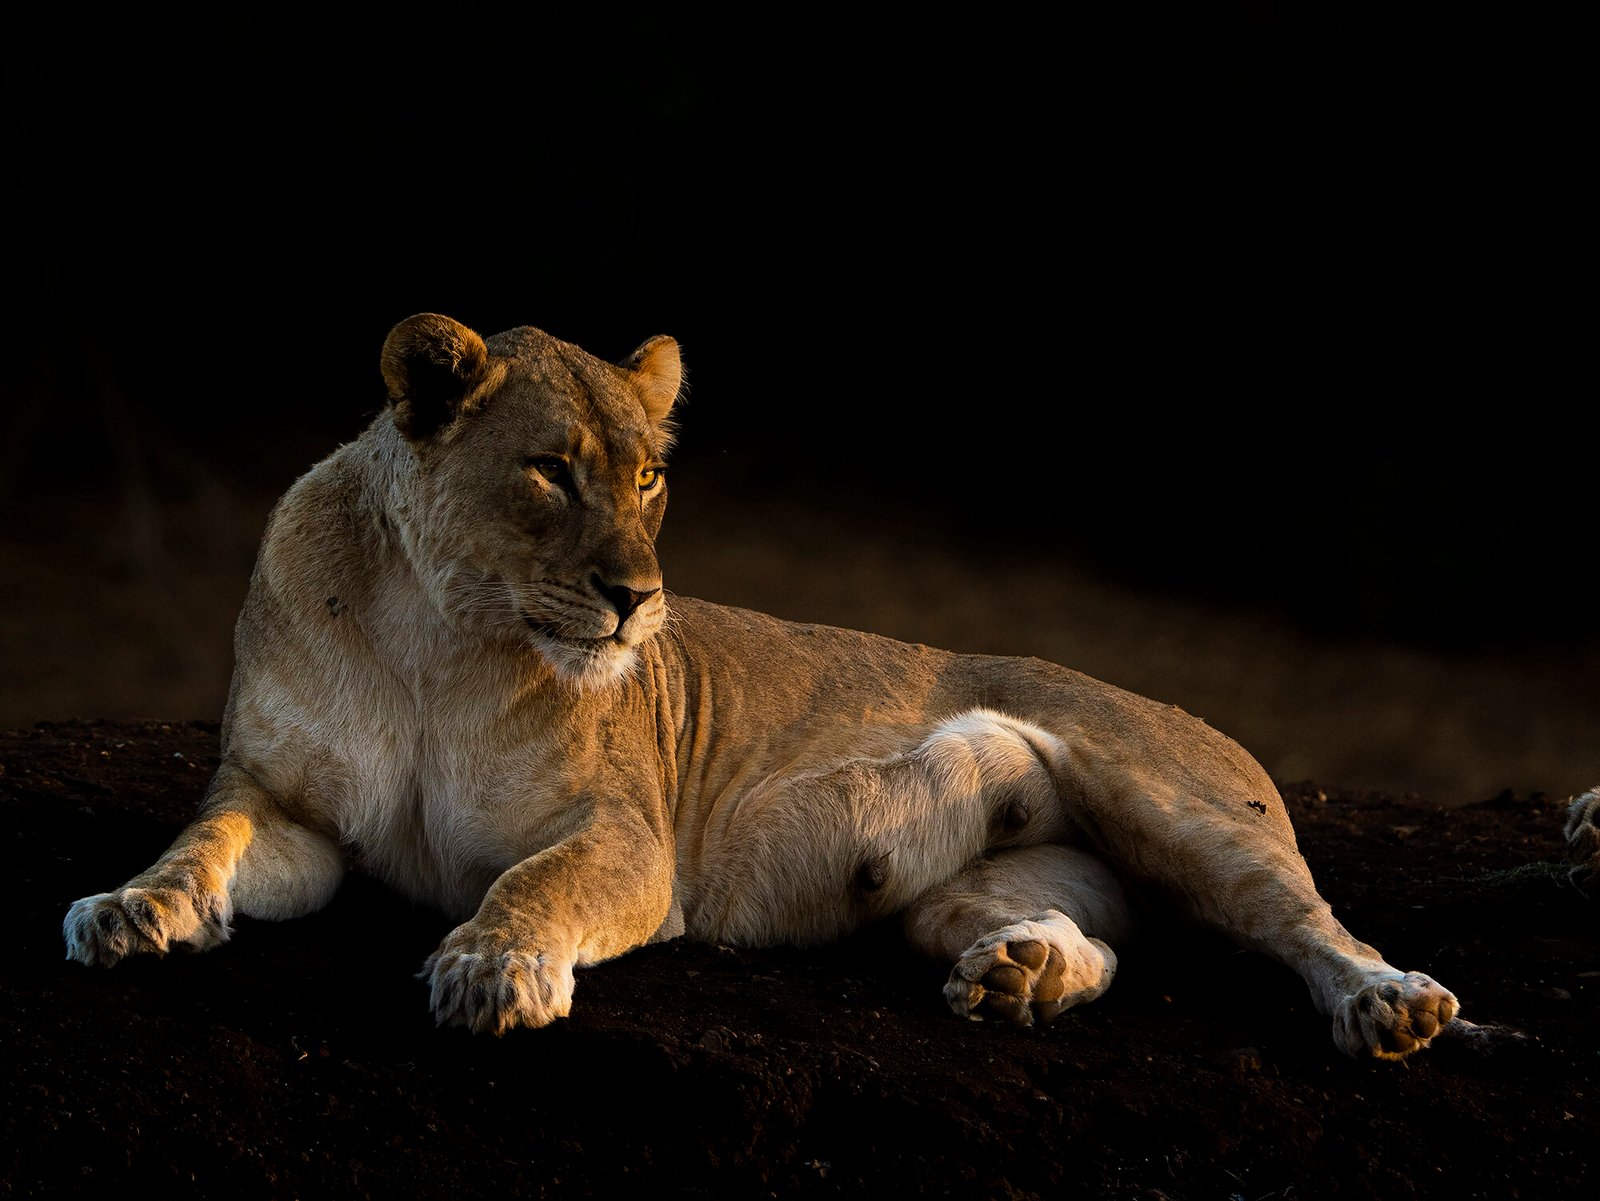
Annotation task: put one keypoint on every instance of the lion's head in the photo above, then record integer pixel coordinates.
(539, 485)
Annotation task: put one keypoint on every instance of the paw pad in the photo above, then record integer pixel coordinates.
(1030, 972)
(1393, 1017)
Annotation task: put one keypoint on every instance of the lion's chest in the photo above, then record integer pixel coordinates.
(444, 813)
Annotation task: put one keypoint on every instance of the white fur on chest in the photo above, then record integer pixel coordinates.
(449, 780)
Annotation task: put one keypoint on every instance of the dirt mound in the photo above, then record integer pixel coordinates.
(300, 1060)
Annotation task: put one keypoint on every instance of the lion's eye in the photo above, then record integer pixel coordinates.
(552, 468)
(649, 477)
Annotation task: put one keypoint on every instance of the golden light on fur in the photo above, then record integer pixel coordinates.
(504, 715)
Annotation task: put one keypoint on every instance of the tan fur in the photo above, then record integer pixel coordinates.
(457, 667)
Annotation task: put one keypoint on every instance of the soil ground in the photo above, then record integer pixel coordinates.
(1303, 332)
(300, 1059)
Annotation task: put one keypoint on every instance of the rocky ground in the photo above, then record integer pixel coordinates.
(301, 1061)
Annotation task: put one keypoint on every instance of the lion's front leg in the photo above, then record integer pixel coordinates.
(580, 902)
(242, 855)
(181, 901)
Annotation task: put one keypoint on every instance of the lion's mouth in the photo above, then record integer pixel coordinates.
(586, 662)
(549, 629)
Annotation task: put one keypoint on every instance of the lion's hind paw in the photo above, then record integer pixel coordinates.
(1583, 842)
(110, 926)
(1393, 1016)
(1030, 971)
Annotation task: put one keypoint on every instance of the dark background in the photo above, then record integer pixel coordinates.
(1235, 308)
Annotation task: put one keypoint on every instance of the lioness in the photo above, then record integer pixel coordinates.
(457, 666)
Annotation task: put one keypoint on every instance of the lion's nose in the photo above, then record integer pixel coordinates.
(623, 599)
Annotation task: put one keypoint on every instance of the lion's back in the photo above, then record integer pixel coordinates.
(795, 683)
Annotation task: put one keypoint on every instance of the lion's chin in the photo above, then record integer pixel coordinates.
(589, 663)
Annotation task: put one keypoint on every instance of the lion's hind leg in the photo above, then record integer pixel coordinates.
(806, 858)
(1259, 891)
(1027, 929)
(1391, 1015)
(1583, 841)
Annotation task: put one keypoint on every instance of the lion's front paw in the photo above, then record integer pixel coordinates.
(481, 981)
(1393, 1016)
(1030, 971)
(110, 926)
(1583, 842)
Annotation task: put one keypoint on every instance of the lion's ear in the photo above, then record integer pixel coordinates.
(658, 374)
(432, 366)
